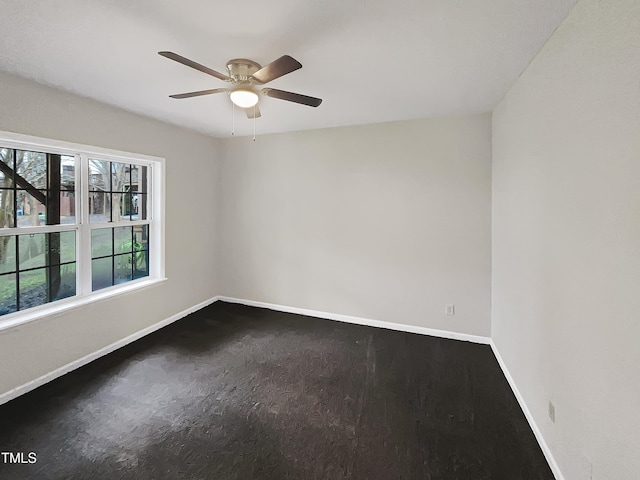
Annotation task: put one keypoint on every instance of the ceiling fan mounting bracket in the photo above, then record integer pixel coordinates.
(241, 69)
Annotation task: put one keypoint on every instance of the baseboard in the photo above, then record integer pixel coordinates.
(361, 321)
(58, 372)
(527, 413)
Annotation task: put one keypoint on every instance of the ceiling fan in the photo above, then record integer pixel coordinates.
(244, 75)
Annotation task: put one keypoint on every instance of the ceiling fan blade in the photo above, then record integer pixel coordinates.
(192, 64)
(199, 93)
(292, 97)
(250, 112)
(276, 69)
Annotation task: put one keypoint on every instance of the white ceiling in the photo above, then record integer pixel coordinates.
(370, 60)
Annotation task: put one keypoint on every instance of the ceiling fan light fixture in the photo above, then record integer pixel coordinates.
(244, 97)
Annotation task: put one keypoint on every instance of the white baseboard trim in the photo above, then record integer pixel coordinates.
(58, 372)
(361, 321)
(527, 413)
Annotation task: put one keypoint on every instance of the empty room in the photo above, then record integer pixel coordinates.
(363, 240)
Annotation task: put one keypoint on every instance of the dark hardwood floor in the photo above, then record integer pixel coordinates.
(236, 392)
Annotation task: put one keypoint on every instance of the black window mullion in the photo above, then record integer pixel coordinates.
(145, 236)
(142, 203)
(131, 192)
(53, 172)
(17, 273)
(113, 254)
(40, 268)
(133, 242)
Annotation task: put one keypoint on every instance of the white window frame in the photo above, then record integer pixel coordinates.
(82, 227)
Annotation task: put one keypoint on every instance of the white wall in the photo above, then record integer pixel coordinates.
(388, 222)
(32, 350)
(566, 239)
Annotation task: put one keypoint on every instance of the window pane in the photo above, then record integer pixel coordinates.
(99, 207)
(61, 247)
(42, 278)
(141, 268)
(119, 209)
(67, 282)
(40, 286)
(67, 246)
(139, 178)
(99, 175)
(126, 206)
(8, 297)
(8, 254)
(124, 268)
(141, 237)
(67, 207)
(6, 156)
(6, 209)
(58, 247)
(140, 206)
(33, 288)
(134, 206)
(6, 180)
(31, 212)
(127, 175)
(123, 240)
(33, 250)
(32, 166)
(68, 173)
(101, 242)
(120, 176)
(101, 273)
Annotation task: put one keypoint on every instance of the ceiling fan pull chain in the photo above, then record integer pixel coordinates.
(254, 123)
(233, 119)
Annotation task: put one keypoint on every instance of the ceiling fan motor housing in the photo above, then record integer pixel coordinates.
(241, 69)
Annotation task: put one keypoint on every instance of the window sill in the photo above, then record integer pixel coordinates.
(35, 314)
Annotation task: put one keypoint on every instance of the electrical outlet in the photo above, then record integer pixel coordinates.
(450, 310)
(552, 412)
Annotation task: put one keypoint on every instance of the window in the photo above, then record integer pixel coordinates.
(75, 222)
(118, 193)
